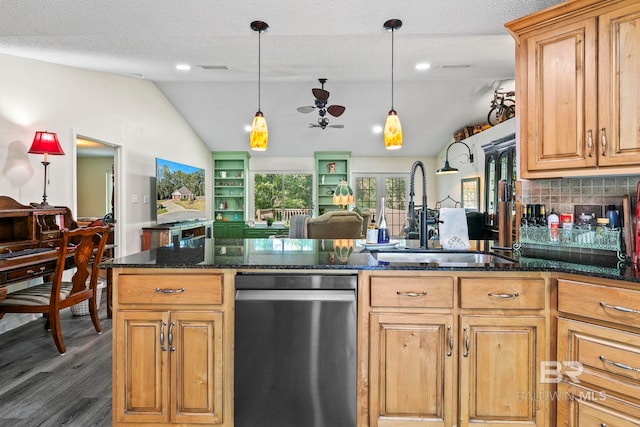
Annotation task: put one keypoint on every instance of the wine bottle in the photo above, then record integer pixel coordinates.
(383, 231)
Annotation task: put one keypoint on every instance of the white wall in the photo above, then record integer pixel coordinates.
(449, 185)
(125, 111)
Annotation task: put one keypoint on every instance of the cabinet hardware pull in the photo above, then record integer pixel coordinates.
(619, 308)
(590, 142)
(603, 142)
(171, 336)
(162, 347)
(467, 342)
(618, 364)
(40, 270)
(450, 341)
(505, 296)
(412, 294)
(169, 291)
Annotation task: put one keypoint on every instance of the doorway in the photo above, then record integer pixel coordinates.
(97, 180)
(370, 188)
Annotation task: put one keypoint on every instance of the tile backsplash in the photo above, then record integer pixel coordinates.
(562, 194)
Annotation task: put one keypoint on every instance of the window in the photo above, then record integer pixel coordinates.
(369, 190)
(279, 196)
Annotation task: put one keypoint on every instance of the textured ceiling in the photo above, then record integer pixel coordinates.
(465, 42)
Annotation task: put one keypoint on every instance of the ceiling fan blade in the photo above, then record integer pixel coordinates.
(336, 126)
(314, 126)
(306, 109)
(335, 110)
(320, 94)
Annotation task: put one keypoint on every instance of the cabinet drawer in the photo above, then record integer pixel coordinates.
(170, 289)
(511, 293)
(580, 406)
(25, 273)
(609, 359)
(599, 302)
(412, 292)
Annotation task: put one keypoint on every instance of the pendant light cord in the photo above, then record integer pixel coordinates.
(259, 70)
(392, 44)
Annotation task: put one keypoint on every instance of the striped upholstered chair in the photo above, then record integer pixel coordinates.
(87, 245)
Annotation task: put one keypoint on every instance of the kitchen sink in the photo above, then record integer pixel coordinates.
(443, 259)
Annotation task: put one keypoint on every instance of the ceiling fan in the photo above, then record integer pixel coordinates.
(321, 101)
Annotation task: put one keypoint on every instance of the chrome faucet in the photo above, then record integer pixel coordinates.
(410, 225)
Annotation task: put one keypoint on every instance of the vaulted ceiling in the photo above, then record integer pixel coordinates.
(464, 41)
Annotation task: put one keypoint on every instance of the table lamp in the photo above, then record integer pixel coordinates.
(45, 143)
(343, 195)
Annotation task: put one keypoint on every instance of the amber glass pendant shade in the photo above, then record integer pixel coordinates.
(392, 131)
(259, 136)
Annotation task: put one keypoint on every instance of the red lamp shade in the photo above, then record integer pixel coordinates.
(46, 143)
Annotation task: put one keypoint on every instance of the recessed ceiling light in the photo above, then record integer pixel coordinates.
(453, 66)
(423, 66)
(214, 67)
(247, 128)
(377, 129)
(183, 67)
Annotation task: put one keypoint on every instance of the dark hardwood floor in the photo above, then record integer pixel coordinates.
(39, 387)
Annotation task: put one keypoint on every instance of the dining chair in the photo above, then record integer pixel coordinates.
(87, 246)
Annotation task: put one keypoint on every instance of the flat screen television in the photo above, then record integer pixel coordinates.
(180, 192)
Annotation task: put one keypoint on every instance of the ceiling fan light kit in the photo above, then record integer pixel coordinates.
(321, 99)
(392, 127)
(259, 135)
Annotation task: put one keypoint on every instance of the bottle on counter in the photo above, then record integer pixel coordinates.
(612, 214)
(553, 220)
(524, 221)
(543, 215)
(383, 231)
(601, 226)
(372, 230)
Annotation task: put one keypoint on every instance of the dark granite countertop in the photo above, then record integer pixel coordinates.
(308, 254)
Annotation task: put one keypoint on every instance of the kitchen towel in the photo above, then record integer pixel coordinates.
(454, 232)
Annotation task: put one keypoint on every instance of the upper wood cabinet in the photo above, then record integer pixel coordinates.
(577, 74)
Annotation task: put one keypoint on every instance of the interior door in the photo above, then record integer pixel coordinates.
(371, 188)
(97, 179)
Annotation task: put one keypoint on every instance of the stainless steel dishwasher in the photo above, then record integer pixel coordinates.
(295, 350)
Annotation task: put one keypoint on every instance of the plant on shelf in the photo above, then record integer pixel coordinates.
(269, 221)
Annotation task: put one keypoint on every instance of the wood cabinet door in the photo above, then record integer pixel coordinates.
(195, 344)
(560, 112)
(619, 86)
(141, 368)
(499, 378)
(411, 370)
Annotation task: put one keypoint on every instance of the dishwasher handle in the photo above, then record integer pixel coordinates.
(295, 295)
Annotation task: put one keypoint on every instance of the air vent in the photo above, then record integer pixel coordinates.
(214, 67)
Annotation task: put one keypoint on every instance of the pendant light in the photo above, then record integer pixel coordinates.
(259, 135)
(392, 127)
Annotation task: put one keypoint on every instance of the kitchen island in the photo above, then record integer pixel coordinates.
(436, 345)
